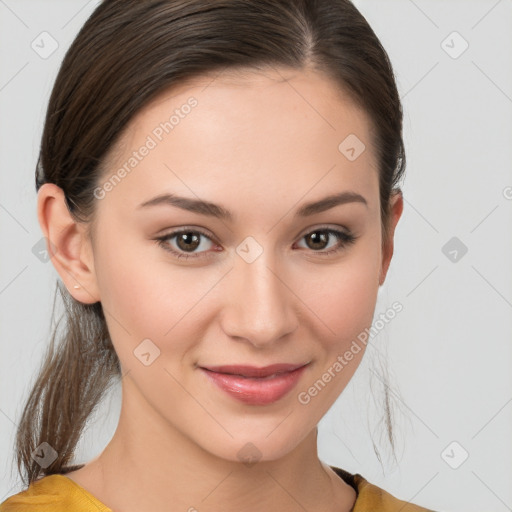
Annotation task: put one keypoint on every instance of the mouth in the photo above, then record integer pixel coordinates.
(255, 386)
(254, 372)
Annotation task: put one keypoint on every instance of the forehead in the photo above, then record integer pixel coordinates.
(255, 131)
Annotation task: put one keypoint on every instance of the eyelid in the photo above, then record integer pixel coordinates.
(210, 236)
(325, 227)
(181, 229)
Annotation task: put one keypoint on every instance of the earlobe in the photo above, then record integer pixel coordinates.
(396, 208)
(67, 243)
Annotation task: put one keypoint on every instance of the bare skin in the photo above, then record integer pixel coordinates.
(260, 149)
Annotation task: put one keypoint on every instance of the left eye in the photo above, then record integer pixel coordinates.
(188, 239)
(319, 236)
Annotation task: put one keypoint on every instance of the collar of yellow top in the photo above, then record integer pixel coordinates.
(371, 498)
(68, 492)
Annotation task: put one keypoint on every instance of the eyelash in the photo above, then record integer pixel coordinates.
(345, 239)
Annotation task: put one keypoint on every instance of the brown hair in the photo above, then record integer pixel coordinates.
(128, 52)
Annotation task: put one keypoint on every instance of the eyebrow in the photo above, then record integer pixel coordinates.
(215, 210)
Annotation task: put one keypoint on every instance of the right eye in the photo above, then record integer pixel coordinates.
(184, 238)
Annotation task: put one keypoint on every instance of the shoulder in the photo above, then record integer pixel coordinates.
(53, 493)
(373, 498)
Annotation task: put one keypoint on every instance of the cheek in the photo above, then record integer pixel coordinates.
(145, 296)
(343, 295)
(344, 301)
(129, 288)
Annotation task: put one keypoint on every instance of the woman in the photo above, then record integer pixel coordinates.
(218, 186)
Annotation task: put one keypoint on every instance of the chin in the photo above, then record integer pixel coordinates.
(260, 447)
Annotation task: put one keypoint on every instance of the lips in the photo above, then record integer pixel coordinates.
(255, 386)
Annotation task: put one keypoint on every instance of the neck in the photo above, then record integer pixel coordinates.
(134, 474)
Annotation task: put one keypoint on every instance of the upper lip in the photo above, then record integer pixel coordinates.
(253, 371)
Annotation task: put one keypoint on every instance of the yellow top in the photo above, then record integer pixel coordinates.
(58, 493)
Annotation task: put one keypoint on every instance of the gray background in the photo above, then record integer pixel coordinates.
(448, 351)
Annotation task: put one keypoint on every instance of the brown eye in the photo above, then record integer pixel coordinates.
(187, 241)
(319, 239)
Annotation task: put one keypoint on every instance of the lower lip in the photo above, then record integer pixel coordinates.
(256, 391)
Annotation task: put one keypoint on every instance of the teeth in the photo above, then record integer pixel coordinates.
(266, 377)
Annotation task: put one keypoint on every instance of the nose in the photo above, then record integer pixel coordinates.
(260, 305)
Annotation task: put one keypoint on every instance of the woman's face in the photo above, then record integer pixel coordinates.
(257, 288)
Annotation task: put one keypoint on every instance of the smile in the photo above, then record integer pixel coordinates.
(256, 386)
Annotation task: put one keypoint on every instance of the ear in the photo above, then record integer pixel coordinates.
(68, 246)
(396, 208)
